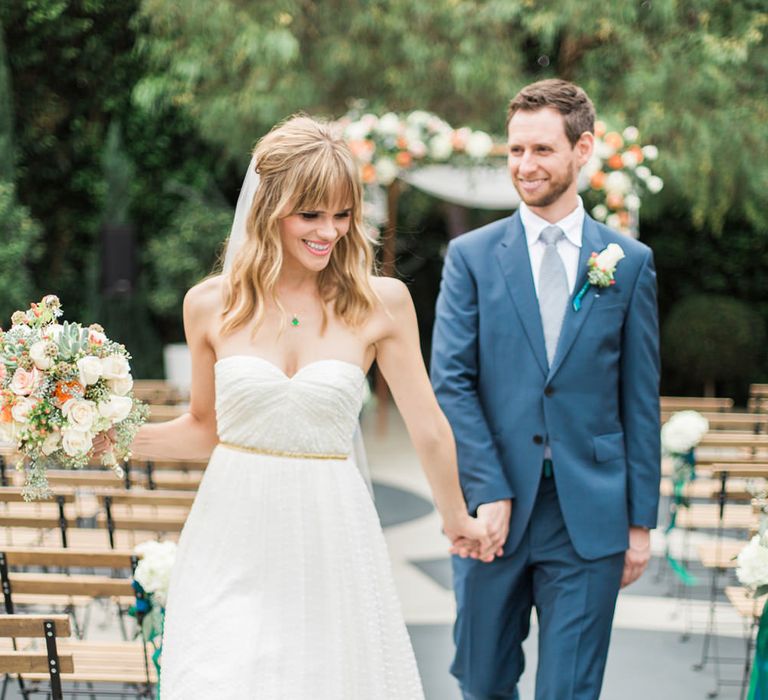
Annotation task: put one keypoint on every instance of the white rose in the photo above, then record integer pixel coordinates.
(631, 134)
(632, 202)
(357, 131)
(417, 148)
(593, 165)
(479, 144)
(629, 159)
(440, 147)
(153, 571)
(419, 117)
(24, 382)
(613, 221)
(80, 413)
(643, 172)
(121, 386)
(600, 212)
(603, 150)
(651, 152)
(76, 442)
(21, 409)
(752, 563)
(618, 182)
(609, 258)
(655, 184)
(389, 124)
(116, 408)
(39, 356)
(115, 367)
(683, 431)
(51, 443)
(90, 368)
(386, 171)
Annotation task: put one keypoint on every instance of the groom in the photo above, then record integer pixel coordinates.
(555, 412)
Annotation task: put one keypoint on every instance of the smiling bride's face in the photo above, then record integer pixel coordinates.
(308, 237)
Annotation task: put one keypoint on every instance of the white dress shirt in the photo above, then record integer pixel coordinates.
(568, 248)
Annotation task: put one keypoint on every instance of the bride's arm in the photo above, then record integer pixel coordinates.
(398, 354)
(193, 434)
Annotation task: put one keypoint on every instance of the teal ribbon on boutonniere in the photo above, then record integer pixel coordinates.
(601, 269)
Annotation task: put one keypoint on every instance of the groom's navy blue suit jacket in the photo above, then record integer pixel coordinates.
(597, 405)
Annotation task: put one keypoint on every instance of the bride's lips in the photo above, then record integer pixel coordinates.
(317, 247)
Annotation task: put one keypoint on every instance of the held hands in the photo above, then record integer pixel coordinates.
(637, 556)
(483, 537)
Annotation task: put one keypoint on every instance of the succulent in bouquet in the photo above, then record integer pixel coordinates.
(61, 384)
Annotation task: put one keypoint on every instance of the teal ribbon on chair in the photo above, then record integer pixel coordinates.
(758, 682)
(684, 472)
(151, 618)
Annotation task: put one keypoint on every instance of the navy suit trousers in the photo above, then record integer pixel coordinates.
(574, 600)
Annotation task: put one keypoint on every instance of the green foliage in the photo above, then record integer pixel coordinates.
(691, 77)
(119, 175)
(709, 338)
(185, 253)
(19, 245)
(70, 61)
(7, 153)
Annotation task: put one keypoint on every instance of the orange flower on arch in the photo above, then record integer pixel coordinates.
(613, 139)
(404, 159)
(597, 181)
(616, 162)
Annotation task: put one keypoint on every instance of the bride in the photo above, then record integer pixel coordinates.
(282, 587)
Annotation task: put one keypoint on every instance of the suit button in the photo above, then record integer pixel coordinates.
(549, 391)
(538, 439)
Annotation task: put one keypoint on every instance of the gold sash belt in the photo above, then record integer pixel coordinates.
(281, 453)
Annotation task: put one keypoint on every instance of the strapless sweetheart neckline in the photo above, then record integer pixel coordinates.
(301, 369)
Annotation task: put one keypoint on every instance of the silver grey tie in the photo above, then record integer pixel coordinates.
(553, 289)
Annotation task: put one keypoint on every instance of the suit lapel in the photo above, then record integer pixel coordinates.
(515, 262)
(591, 242)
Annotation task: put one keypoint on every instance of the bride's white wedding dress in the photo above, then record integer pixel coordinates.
(282, 588)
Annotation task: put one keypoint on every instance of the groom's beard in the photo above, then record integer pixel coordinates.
(556, 188)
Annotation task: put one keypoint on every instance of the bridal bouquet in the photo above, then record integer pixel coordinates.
(60, 385)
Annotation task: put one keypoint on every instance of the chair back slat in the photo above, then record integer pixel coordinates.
(32, 625)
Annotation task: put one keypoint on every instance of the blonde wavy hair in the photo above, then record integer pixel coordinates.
(304, 165)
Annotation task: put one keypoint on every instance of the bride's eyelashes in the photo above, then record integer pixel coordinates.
(313, 215)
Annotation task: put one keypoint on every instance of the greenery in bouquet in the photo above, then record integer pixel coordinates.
(384, 145)
(61, 384)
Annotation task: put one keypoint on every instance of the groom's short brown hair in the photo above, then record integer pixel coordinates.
(568, 99)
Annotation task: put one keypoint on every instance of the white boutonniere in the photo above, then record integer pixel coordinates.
(602, 267)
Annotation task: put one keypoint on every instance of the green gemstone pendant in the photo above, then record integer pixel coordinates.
(295, 321)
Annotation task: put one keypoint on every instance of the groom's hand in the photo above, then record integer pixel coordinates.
(637, 556)
(495, 516)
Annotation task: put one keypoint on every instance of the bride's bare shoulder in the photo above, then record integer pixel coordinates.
(391, 293)
(206, 298)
